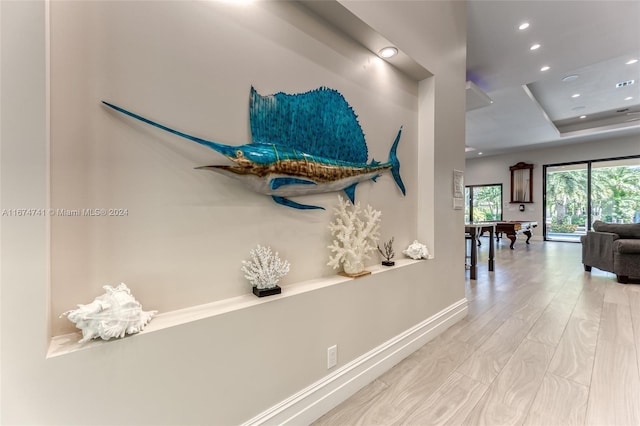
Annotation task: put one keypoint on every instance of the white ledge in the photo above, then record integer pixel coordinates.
(68, 343)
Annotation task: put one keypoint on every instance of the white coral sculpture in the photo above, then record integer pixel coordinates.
(356, 233)
(265, 268)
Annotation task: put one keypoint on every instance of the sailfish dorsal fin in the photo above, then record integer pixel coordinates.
(319, 122)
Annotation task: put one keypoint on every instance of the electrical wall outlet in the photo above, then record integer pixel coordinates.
(332, 356)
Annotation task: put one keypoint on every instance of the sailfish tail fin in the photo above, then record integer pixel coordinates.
(395, 163)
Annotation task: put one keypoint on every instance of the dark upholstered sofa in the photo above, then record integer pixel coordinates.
(613, 247)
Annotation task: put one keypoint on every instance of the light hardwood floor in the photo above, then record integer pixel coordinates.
(544, 343)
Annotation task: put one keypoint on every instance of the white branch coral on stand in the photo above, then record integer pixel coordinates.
(265, 268)
(355, 236)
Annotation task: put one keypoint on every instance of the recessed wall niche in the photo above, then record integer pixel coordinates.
(177, 235)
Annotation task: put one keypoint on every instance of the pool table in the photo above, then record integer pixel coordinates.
(513, 228)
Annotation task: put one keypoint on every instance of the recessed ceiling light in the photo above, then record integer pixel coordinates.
(523, 26)
(583, 116)
(569, 78)
(388, 52)
(632, 61)
(479, 153)
(535, 46)
(545, 68)
(628, 98)
(575, 95)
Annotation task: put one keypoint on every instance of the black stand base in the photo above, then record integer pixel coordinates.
(388, 262)
(262, 292)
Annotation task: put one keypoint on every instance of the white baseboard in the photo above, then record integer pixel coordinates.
(312, 402)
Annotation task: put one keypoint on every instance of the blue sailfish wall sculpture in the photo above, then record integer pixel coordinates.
(302, 144)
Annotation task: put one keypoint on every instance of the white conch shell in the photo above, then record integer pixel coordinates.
(416, 251)
(114, 314)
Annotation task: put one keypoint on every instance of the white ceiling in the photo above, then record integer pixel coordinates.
(592, 39)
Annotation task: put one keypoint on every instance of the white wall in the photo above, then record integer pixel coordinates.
(225, 369)
(495, 169)
(187, 231)
(433, 35)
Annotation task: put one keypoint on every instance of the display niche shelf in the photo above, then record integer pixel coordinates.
(68, 343)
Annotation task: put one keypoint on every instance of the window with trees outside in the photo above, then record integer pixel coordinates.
(577, 194)
(483, 203)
